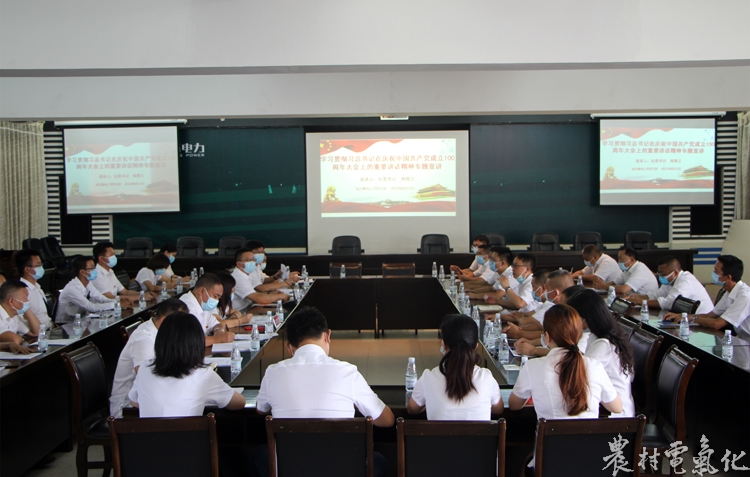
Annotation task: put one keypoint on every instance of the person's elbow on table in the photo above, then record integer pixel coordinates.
(515, 403)
(385, 419)
(237, 402)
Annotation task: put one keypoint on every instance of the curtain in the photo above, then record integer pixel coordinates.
(23, 185)
(742, 200)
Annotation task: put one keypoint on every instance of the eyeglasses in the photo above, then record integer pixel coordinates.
(518, 265)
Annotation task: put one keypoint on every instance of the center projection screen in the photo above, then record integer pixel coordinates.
(387, 188)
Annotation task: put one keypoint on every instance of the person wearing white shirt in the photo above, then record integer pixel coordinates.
(262, 282)
(477, 267)
(150, 276)
(499, 266)
(79, 295)
(734, 307)
(675, 282)
(107, 282)
(245, 294)
(636, 277)
(202, 302)
(14, 302)
(598, 265)
(458, 389)
(138, 349)
(518, 296)
(608, 344)
(177, 383)
(30, 269)
(530, 320)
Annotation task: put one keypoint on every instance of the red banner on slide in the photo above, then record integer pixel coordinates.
(633, 133)
(357, 145)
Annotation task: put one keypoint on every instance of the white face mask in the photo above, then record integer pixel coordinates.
(544, 342)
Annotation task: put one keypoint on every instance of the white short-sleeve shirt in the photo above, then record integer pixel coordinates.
(206, 318)
(75, 299)
(686, 285)
(168, 273)
(139, 349)
(7, 322)
(475, 406)
(734, 307)
(539, 379)
(525, 290)
(37, 305)
(600, 349)
(474, 266)
(146, 274)
(243, 288)
(605, 268)
(107, 281)
(508, 273)
(539, 313)
(158, 396)
(639, 278)
(313, 385)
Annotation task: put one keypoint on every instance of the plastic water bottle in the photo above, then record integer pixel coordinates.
(254, 339)
(453, 278)
(580, 281)
(77, 327)
(193, 278)
(644, 311)
(118, 310)
(103, 319)
(201, 273)
(142, 300)
(475, 315)
(303, 273)
(43, 340)
(611, 296)
(684, 326)
(727, 350)
(441, 274)
(280, 311)
(467, 308)
(461, 288)
(503, 350)
(236, 359)
(178, 288)
(269, 322)
(489, 337)
(434, 270)
(524, 360)
(411, 374)
(342, 273)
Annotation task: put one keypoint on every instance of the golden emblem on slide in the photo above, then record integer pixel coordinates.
(609, 174)
(698, 171)
(434, 192)
(331, 195)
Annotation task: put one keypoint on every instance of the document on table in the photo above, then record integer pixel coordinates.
(490, 308)
(219, 361)
(61, 341)
(227, 347)
(7, 355)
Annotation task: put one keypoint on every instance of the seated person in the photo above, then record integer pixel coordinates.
(499, 266)
(674, 282)
(565, 384)
(229, 316)
(635, 277)
(3, 277)
(80, 296)
(202, 301)
(311, 384)
(30, 269)
(734, 307)
(107, 282)
(150, 276)
(518, 296)
(458, 389)
(14, 347)
(483, 263)
(177, 382)
(139, 349)
(607, 344)
(14, 302)
(475, 266)
(245, 294)
(169, 277)
(598, 265)
(532, 320)
(259, 280)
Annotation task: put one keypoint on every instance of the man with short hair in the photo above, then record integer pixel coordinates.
(139, 349)
(674, 282)
(80, 296)
(245, 293)
(520, 296)
(482, 261)
(201, 302)
(734, 307)
(107, 282)
(14, 302)
(259, 280)
(499, 265)
(532, 320)
(635, 277)
(598, 265)
(478, 241)
(311, 384)
(30, 269)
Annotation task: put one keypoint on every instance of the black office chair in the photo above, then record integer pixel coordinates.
(545, 242)
(123, 278)
(346, 245)
(229, 245)
(353, 270)
(48, 280)
(51, 304)
(55, 253)
(36, 244)
(190, 247)
(582, 239)
(639, 240)
(627, 326)
(496, 240)
(140, 247)
(684, 305)
(434, 447)
(645, 346)
(398, 270)
(90, 406)
(435, 243)
(156, 447)
(330, 447)
(127, 331)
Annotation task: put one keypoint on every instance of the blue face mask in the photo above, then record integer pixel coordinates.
(171, 259)
(715, 279)
(537, 298)
(250, 267)
(259, 258)
(232, 296)
(210, 304)
(474, 249)
(263, 266)
(160, 271)
(493, 267)
(546, 296)
(38, 273)
(520, 279)
(587, 263)
(112, 261)
(93, 274)
(480, 260)
(622, 266)
(25, 306)
(664, 280)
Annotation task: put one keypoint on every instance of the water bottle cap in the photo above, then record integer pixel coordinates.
(503, 335)
(412, 360)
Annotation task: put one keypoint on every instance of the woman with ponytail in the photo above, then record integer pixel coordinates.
(458, 389)
(564, 384)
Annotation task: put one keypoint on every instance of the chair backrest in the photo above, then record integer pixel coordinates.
(566, 447)
(346, 245)
(164, 446)
(229, 245)
(621, 307)
(473, 448)
(496, 240)
(435, 243)
(54, 252)
(353, 270)
(684, 305)
(127, 331)
(123, 278)
(671, 389)
(582, 239)
(545, 242)
(88, 382)
(190, 247)
(639, 240)
(628, 326)
(330, 447)
(398, 270)
(141, 247)
(645, 346)
(51, 304)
